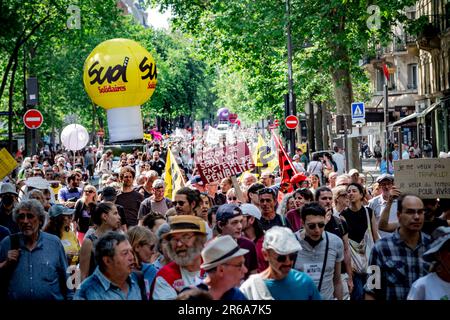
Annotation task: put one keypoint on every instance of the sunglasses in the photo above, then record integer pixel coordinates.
(180, 203)
(232, 198)
(265, 191)
(312, 226)
(282, 258)
(29, 216)
(89, 191)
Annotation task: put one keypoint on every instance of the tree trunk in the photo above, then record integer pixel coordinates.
(343, 94)
(311, 141)
(326, 136)
(318, 122)
(10, 106)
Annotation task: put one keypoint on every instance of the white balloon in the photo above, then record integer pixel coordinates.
(74, 137)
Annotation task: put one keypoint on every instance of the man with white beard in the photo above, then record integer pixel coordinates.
(183, 244)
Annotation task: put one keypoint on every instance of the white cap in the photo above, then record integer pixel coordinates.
(249, 209)
(282, 240)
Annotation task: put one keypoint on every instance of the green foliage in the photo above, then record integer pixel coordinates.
(56, 55)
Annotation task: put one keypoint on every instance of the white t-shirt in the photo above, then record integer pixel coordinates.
(430, 287)
(378, 204)
(340, 162)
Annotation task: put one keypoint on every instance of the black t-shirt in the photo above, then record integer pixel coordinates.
(83, 215)
(277, 221)
(430, 226)
(357, 222)
(158, 166)
(6, 220)
(130, 201)
(337, 226)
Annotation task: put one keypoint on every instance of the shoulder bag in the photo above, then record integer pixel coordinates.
(360, 251)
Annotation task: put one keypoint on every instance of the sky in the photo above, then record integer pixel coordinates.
(158, 20)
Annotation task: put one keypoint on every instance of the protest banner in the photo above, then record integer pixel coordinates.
(218, 163)
(7, 163)
(426, 178)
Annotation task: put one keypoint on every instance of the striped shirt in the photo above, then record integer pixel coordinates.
(399, 266)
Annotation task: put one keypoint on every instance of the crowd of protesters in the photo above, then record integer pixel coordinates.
(315, 236)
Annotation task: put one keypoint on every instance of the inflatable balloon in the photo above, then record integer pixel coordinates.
(223, 114)
(74, 137)
(120, 75)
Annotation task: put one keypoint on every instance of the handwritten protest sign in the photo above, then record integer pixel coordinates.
(7, 163)
(216, 164)
(426, 178)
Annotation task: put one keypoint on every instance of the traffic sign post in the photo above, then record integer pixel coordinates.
(33, 119)
(291, 122)
(358, 113)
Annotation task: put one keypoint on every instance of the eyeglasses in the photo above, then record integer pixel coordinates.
(184, 239)
(414, 211)
(239, 266)
(282, 258)
(232, 198)
(29, 216)
(89, 191)
(312, 226)
(180, 203)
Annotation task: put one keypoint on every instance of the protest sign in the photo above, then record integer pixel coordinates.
(426, 178)
(216, 164)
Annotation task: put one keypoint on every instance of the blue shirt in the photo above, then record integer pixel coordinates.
(296, 286)
(400, 266)
(230, 295)
(98, 287)
(4, 232)
(41, 273)
(65, 194)
(149, 272)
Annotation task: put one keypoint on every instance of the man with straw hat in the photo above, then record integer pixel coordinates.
(183, 244)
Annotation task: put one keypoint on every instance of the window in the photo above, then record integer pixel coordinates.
(412, 76)
(381, 79)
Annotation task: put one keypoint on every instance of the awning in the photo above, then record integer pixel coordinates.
(430, 108)
(405, 119)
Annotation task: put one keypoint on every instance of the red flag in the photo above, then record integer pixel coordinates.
(287, 169)
(386, 71)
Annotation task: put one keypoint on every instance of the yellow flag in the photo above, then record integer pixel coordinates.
(172, 178)
(7, 163)
(147, 136)
(265, 156)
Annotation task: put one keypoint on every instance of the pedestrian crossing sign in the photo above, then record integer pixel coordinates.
(358, 110)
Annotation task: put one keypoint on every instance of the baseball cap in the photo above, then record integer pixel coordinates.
(59, 209)
(385, 177)
(196, 180)
(249, 209)
(352, 172)
(158, 183)
(440, 236)
(228, 211)
(108, 193)
(282, 240)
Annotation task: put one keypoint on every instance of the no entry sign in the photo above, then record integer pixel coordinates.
(291, 122)
(33, 119)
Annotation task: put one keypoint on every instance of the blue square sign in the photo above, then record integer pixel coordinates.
(358, 111)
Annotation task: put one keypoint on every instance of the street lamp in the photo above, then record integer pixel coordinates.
(290, 103)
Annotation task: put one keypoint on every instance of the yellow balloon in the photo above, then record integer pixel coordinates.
(119, 73)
